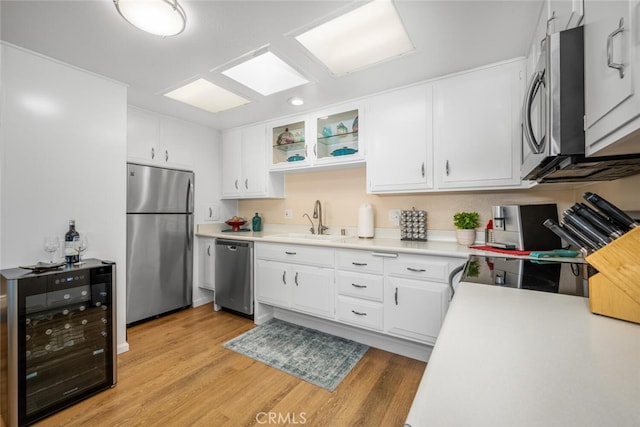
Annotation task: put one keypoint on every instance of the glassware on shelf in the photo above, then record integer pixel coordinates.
(342, 129)
(51, 244)
(285, 137)
(81, 244)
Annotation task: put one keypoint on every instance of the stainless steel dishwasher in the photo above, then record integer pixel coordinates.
(234, 275)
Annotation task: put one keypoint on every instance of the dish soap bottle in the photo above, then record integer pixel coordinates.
(256, 223)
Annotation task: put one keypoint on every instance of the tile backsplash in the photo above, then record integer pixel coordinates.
(342, 192)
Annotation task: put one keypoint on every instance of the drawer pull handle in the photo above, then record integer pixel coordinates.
(385, 254)
(289, 253)
(359, 264)
(358, 286)
(357, 313)
(417, 270)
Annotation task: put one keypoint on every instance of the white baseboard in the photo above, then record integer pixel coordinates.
(202, 301)
(399, 346)
(122, 348)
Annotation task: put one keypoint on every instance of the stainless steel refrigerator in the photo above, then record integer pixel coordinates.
(159, 241)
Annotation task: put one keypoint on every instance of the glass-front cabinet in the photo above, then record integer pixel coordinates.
(328, 138)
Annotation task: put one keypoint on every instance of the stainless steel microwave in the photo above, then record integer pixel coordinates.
(553, 141)
(553, 108)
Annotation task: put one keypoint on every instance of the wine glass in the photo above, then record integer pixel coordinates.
(51, 244)
(81, 244)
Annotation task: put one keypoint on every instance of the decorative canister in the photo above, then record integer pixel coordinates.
(413, 225)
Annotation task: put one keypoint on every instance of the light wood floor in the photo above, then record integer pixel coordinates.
(178, 374)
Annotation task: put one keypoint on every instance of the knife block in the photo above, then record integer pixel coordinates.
(615, 290)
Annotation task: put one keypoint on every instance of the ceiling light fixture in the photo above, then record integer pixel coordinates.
(205, 95)
(159, 17)
(296, 101)
(266, 73)
(365, 36)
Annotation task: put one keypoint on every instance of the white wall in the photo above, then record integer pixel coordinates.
(63, 148)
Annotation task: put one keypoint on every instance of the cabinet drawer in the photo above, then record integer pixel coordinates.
(360, 313)
(297, 254)
(422, 267)
(361, 261)
(360, 285)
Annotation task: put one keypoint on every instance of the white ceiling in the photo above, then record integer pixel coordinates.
(448, 36)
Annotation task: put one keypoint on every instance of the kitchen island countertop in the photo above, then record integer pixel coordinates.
(511, 357)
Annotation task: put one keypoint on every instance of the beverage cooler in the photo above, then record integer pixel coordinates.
(58, 338)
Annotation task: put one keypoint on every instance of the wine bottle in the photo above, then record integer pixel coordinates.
(71, 254)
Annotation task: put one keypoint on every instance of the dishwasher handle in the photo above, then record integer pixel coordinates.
(233, 244)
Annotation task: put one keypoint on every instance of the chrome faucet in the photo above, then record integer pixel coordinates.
(317, 214)
(311, 221)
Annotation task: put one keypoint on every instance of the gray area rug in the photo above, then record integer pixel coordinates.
(313, 356)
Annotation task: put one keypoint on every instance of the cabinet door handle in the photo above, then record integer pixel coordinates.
(295, 279)
(357, 313)
(359, 264)
(358, 286)
(615, 65)
(417, 270)
(284, 277)
(395, 296)
(166, 155)
(422, 169)
(446, 168)
(209, 250)
(210, 213)
(236, 184)
(289, 253)
(246, 183)
(153, 153)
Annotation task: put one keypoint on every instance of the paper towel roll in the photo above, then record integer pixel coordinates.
(365, 221)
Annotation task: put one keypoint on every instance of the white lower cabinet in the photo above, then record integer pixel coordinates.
(415, 309)
(399, 295)
(206, 263)
(271, 283)
(312, 290)
(416, 295)
(360, 312)
(284, 278)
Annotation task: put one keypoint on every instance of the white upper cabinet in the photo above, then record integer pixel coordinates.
(400, 141)
(612, 79)
(477, 127)
(156, 142)
(244, 165)
(564, 14)
(329, 138)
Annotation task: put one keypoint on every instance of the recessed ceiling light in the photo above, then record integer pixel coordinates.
(205, 95)
(159, 17)
(367, 35)
(266, 74)
(295, 101)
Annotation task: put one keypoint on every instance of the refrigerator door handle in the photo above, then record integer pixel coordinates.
(189, 196)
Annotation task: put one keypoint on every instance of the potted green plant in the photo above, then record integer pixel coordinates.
(466, 223)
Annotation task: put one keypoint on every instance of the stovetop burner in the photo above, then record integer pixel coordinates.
(524, 273)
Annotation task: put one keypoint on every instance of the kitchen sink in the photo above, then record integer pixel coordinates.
(308, 236)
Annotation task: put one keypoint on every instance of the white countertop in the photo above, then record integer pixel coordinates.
(380, 244)
(512, 357)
